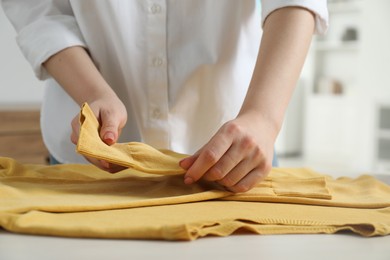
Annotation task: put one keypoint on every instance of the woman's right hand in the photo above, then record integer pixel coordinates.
(112, 116)
(75, 71)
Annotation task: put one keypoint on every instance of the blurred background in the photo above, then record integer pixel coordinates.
(338, 120)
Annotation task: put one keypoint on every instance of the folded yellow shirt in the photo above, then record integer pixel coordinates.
(83, 201)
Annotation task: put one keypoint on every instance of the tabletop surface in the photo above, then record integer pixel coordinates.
(316, 246)
(313, 247)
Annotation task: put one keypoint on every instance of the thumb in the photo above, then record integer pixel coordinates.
(109, 129)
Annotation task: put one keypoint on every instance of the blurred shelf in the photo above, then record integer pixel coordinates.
(337, 46)
(384, 133)
(344, 6)
(325, 98)
(383, 166)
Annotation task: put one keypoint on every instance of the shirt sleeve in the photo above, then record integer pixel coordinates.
(44, 27)
(318, 7)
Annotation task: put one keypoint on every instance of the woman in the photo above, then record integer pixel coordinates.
(190, 76)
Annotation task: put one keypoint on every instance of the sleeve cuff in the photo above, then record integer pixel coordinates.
(318, 7)
(43, 38)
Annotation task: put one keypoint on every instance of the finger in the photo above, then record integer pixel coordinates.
(227, 162)
(113, 168)
(237, 173)
(243, 147)
(209, 155)
(186, 163)
(109, 130)
(105, 166)
(249, 181)
(95, 162)
(109, 167)
(254, 158)
(74, 137)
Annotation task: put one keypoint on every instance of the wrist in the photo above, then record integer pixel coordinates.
(96, 93)
(75, 71)
(261, 119)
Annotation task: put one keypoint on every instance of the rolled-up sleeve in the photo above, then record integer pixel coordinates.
(44, 27)
(318, 7)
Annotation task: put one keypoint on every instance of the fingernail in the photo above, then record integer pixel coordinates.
(105, 164)
(188, 180)
(109, 137)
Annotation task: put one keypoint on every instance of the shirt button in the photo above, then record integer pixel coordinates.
(157, 62)
(156, 113)
(155, 9)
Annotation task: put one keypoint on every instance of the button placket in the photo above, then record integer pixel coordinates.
(157, 74)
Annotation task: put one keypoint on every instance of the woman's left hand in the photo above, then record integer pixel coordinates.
(237, 157)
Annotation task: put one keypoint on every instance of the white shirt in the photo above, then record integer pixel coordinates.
(181, 68)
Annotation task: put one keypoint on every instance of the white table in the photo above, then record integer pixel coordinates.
(269, 247)
(311, 247)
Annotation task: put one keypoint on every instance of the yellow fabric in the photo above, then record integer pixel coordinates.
(134, 155)
(83, 201)
(304, 186)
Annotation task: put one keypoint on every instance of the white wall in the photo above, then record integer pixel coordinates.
(18, 84)
(376, 46)
(375, 79)
(341, 131)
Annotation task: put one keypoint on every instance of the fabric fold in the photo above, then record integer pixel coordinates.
(307, 188)
(84, 201)
(318, 189)
(149, 199)
(81, 188)
(190, 221)
(135, 155)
